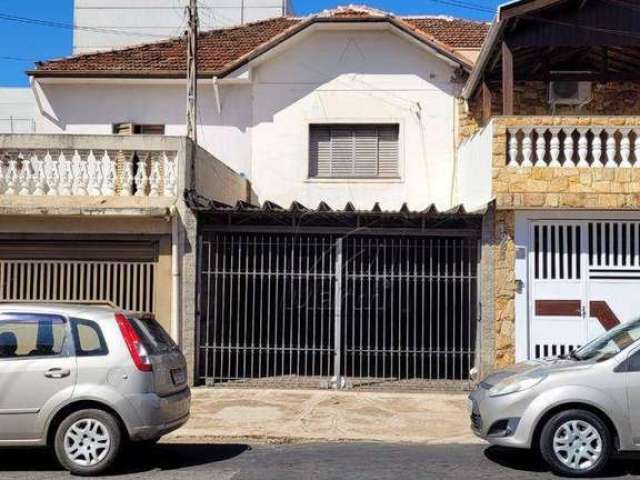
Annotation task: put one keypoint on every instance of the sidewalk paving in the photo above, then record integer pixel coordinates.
(318, 415)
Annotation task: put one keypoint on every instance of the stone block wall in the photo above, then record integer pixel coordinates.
(565, 188)
(613, 104)
(504, 288)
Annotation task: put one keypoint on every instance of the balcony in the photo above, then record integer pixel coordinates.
(590, 162)
(137, 175)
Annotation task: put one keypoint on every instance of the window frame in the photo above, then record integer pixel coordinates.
(104, 347)
(354, 123)
(66, 349)
(133, 126)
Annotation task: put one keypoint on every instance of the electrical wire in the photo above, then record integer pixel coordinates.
(462, 4)
(69, 26)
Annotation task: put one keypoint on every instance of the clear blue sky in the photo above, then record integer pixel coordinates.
(22, 43)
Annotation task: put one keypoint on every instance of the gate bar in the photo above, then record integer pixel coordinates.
(337, 317)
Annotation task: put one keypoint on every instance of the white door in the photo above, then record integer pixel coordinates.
(584, 280)
(37, 370)
(558, 290)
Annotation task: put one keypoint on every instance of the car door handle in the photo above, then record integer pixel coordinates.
(57, 373)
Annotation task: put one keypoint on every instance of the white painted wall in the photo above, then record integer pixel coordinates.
(262, 131)
(474, 169)
(17, 110)
(151, 20)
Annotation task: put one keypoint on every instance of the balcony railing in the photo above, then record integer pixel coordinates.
(92, 173)
(79, 167)
(573, 146)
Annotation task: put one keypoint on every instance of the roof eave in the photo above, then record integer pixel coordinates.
(495, 32)
(441, 49)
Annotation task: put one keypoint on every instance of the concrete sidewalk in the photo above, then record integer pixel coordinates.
(318, 415)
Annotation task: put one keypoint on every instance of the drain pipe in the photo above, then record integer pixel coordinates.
(175, 275)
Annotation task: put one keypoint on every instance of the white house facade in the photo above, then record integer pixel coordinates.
(330, 244)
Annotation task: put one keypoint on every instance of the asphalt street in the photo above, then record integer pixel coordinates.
(308, 461)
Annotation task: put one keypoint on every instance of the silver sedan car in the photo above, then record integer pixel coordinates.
(83, 380)
(577, 410)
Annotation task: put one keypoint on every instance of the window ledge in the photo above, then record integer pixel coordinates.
(354, 180)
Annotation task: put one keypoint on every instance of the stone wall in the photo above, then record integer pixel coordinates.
(546, 187)
(504, 280)
(532, 98)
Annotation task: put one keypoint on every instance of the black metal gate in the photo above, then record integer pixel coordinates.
(357, 309)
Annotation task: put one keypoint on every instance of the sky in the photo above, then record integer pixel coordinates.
(23, 43)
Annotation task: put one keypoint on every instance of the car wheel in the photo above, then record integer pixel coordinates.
(87, 442)
(575, 443)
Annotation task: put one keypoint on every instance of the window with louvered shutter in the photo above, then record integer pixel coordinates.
(353, 151)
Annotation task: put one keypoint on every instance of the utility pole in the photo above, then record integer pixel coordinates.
(192, 71)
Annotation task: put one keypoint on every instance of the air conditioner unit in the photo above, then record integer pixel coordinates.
(569, 92)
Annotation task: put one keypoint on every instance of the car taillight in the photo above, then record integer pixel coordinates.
(138, 352)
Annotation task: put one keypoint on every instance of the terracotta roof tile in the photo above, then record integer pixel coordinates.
(222, 49)
(455, 32)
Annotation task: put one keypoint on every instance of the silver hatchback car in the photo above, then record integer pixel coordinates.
(578, 409)
(85, 379)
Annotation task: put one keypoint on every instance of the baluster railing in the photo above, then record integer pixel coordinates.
(573, 147)
(88, 173)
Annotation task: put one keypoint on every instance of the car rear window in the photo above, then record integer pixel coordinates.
(154, 337)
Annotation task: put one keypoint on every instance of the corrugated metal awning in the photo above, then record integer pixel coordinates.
(270, 215)
(198, 203)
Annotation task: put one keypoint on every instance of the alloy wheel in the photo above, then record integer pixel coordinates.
(577, 444)
(87, 442)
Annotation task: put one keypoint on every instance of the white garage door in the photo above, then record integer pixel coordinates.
(584, 278)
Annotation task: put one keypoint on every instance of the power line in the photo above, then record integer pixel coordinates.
(69, 26)
(462, 4)
(16, 59)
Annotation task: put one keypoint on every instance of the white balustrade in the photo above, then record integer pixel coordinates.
(573, 147)
(88, 173)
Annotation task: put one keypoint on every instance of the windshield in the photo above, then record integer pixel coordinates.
(610, 343)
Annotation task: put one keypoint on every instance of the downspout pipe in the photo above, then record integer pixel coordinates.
(175, 275)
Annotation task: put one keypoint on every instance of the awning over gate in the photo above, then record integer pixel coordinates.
(270, 213)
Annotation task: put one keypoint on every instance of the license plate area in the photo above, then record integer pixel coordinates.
(178, 376)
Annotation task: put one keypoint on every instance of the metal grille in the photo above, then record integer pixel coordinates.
(614, 245)
(130, 285)
(318, 306)
(556, 252)
(267, 306)
(410, 308)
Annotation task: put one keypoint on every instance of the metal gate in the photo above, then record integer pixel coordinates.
(124, 274)
(358, 309)
(584, 276)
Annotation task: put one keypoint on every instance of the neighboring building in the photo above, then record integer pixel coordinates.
(555, 98)
(17, 110)
(345, 125)
(109, 24)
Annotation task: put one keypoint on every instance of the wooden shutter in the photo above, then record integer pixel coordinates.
(349, 151)
(320, 151)
(388, 151)
(123, 129)
(342, 151)
(149, 129)
(366, 151)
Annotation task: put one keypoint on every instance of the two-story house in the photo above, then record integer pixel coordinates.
(345, 255)
(555, 98)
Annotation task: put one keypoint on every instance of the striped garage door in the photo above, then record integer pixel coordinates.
(123, 273)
